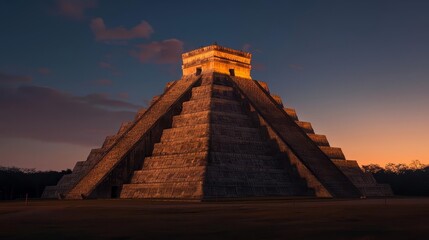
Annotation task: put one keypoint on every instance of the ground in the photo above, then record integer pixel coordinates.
(263, 219)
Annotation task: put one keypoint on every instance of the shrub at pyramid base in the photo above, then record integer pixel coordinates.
(213, 134)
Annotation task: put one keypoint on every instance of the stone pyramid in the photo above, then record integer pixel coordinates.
(214, 134)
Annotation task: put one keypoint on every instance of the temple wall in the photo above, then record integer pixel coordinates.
(217, 59)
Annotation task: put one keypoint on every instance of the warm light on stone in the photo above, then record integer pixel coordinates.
(218, 59)
(214, 134)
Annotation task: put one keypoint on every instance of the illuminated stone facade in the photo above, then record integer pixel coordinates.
(215, 58)
(216, 133)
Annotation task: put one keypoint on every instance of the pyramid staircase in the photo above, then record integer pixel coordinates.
(214, 150)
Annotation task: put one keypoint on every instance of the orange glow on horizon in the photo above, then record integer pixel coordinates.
(372, 135)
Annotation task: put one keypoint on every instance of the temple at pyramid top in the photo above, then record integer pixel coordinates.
(215, 58)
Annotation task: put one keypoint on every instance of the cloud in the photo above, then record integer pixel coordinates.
(14, 79)
(105, 65)
(164, 52)
(103, 82)
(54, 116)
(109, 67)
(103, 100)
(74, 9)
(44, 71)
(102, 33)
(123, 95)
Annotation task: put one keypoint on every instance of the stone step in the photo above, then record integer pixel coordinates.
(178, 133)
(214, 104)
(176, 160)
(264, 176)
(224, 92)
(217, 131)
(220, 159)
(124, 127)
(186, 145)
(78, 166)
(292, 113)
(320, 140)
(222, 88)
(140, 113)
(278, 99)
(214, 175)
(264, 85)
(217, 143)
(213, 91)
(191, 119)
(95, 155)
(235, 119)
(109, 141)
(220, 131)
(235, 160)
(352, 170)
(201, 92)
(181, 190)
(68, 180)
(221, 80)
(162, 175)
(333, 152)
(233, 146)
(154, 99)
(226, 105)
(191, 144)
(306, 126)
(168, 85)
(83, 166)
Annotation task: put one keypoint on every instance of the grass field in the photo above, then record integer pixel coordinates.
(267, 219)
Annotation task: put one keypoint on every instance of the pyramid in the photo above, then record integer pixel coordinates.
(216, 133)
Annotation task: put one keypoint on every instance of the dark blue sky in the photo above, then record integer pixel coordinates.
(358, 70)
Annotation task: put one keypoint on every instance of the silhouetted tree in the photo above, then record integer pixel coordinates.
(372, 168)
(407, 180)
(17, 182)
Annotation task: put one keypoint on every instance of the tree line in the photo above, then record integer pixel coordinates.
(405, 180)
(16, 183)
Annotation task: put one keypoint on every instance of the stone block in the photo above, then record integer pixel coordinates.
(320, 140)
(306, 126)
(333, 152)
(292, 113)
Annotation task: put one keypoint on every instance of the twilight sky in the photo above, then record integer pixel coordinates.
(72, 71)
